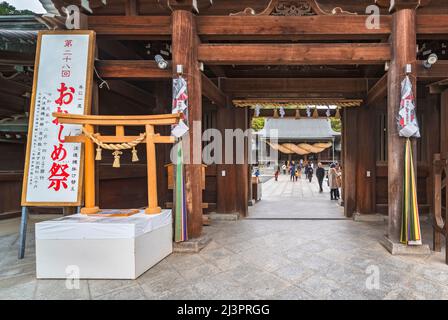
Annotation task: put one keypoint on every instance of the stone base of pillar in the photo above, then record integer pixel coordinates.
(224, 216)
(251, 203)
(192, 246)
(400, 249)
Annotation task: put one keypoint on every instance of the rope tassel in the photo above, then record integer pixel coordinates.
(134, 155)
(116, 155)
(98, 153)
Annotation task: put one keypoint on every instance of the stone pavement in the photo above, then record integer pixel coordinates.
(256, 259)
(285, 199)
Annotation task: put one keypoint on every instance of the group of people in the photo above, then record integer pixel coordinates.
(334, 175)
(295, 170)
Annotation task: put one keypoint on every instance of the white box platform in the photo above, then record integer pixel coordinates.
(102, 247)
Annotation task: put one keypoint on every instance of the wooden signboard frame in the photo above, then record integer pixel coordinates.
(87, 110)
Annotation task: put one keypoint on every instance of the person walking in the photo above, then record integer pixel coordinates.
(284, 168)
(320, 174)
(276, 174)
(332, 182)
(310, 173)
(292, 171)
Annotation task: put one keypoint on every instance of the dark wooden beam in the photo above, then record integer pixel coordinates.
(131, 92)
(432, 26)
(438, 87)
(439, 71)
(127, 27)
(117, 50)
(131, 69)
(285, 54)
(242, 86)
(212, 92)
(293, 28)
(378, 91)
(263, 27)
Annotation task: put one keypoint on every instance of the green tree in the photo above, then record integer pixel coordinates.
(257, 123)
(8, 10)
(336, 124)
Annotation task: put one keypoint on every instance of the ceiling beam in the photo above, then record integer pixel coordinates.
(432, 26)
(117, 50)
(131, 69)
(263, 27)
(337, 88)
(127, 27)
(212, 92)
(286, 54)
(378, 91)
(131, 92)
(298, 28)
(238, 86)
(439, 71)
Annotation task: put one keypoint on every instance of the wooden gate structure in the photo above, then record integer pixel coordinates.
(298, 50)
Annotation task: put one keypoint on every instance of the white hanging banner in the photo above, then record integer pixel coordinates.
(407, 118)
(63, 76)
(180, 104)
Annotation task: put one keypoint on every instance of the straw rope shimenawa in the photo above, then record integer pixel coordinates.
(115, 147)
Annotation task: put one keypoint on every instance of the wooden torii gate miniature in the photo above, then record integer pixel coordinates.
(118, 142)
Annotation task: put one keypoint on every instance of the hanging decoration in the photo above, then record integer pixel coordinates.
(407, 119)
(328, 113)
(408, 127)
(410, 224)
(115, 147)
(308, 111)
(338, 114)
(257, 110)
(180, 104)
(300, 149)
(282, 112)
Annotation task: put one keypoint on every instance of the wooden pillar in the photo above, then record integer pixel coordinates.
(226, 184)
(242, 170)
(404, 46)
(184, 50)
(350, 160)
(366, 161)
(89, 175)
(151, 164)
(444, 122)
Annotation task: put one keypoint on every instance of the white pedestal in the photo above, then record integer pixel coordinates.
(100, 247)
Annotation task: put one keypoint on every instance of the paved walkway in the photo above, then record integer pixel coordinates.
(257, 259)
(285, 199)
